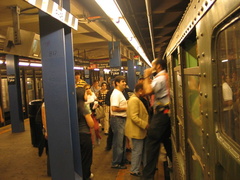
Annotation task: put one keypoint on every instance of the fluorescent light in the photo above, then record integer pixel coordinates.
(106, 69)
(35, 65)
(225, 60)
(79, 68)
(111, 8)
(96, 69)
(1, 62)
(23, 64)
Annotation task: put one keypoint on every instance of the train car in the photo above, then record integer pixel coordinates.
(204, 68)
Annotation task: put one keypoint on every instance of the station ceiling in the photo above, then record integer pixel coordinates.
(95, 29)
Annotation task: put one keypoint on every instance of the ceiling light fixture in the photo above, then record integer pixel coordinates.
(35, 65)
(113, 11)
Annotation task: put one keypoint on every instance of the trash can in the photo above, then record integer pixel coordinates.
(35, 121)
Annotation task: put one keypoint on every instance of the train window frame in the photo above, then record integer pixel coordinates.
(189, 52)
(223, 27)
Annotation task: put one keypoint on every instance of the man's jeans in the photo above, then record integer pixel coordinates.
(118, 128)
(137, 154)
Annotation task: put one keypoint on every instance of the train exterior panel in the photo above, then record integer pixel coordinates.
(204, 67)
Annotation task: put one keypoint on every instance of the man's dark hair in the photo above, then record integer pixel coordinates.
(77, 73)
(118, 79)
(162, 62)
(138, 87)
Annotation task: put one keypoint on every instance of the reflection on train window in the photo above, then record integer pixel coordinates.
(5, 96)
(228, 54)
(193, 106)
(30, 89)
(179, 111)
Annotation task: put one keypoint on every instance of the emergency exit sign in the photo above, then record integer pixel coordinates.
(56, 11)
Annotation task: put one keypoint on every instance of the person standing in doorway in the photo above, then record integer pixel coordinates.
(159, 130)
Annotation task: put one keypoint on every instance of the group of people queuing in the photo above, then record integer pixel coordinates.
(89, 98)
(144, 119)
(140, 118)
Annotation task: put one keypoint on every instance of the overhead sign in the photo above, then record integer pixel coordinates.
(56, 11)
(115, 71)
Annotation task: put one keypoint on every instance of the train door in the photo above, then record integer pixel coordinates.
(4, 94)
(178, 134)
(227, 51)
(192, 108)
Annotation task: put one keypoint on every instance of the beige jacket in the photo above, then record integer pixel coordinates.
(137, 119)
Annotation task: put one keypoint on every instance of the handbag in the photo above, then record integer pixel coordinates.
(100, 113)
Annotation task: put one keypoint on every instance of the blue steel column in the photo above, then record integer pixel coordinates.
(56, 94)
(72, 96)
(87, 75)
(115, 58)
(131, 74)
(14, 90)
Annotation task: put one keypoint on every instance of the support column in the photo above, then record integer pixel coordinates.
(87, 75)
(59, 94)
(14, 89)
(131, 74)
(115, 58)
(72, 99)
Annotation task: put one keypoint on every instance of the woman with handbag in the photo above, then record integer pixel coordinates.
(92, 105)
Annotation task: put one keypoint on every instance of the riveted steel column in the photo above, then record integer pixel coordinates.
(72, 100)
(14, 89)
(131, 74)
(59, 93)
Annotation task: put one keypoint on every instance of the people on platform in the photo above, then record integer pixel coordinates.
(101, 100)
(78, 81)
(136, 127)
(95, 87)
(117, 121)
(159, 130)
(227, 105)
(44, 142)
(107, 102)
(2, 120)
(85, 123)
(92, 104)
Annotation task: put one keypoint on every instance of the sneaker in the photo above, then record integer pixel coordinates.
(91, 176)
(118, 166)
(136, 174)
(98, 141)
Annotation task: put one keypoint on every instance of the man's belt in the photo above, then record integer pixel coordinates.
(118, 116)
(162, 108)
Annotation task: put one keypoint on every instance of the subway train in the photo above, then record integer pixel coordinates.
(203, 60)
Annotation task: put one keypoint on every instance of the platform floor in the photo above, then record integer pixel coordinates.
(19, 159)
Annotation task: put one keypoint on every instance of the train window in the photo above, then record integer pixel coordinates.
(193, 106)
(175, 58)
(189, 47)
(228, 55)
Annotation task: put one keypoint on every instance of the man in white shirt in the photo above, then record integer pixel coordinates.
(118, 119)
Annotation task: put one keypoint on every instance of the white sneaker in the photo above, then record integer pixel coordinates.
(91, 176)
(98, 141)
